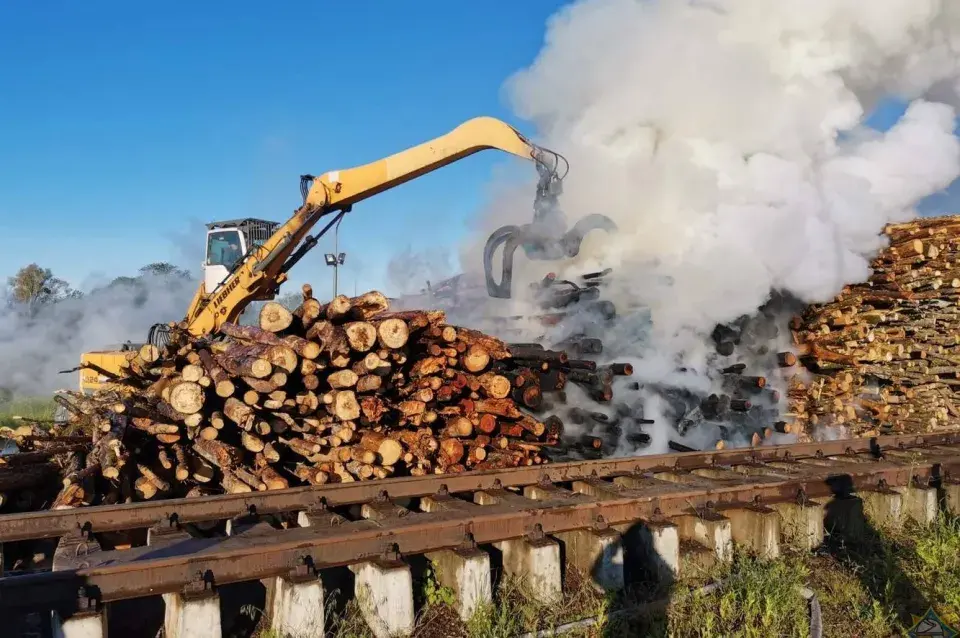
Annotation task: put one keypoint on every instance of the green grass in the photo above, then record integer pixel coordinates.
(758, 598)
(515, 612)
(350, 623)
(27, 407)
(893, 576)
(936, 568)
(872, 588)
(846, 602)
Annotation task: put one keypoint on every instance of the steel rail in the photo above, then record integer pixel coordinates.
(181, 565)
(109, 518)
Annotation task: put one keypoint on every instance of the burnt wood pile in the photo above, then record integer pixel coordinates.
(885, 354)
(330, 392)
(741, 409)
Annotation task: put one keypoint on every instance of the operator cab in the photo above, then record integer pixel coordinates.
(228, 243)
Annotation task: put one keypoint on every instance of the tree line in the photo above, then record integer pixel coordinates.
(35, 286)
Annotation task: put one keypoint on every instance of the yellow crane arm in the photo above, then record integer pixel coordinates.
(262, 272)
(338, 189)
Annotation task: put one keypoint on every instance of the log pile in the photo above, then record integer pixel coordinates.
(885, 354)
(35, 459)
(334, 392)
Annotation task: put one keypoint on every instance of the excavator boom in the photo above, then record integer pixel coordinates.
(264, 269)
(336, 190)
(261, 271)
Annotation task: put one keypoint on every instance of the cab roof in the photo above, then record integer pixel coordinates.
(239, 223)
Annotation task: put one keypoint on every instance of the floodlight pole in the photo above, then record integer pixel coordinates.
(336, 256)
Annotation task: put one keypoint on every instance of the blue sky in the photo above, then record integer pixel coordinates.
(125, 128)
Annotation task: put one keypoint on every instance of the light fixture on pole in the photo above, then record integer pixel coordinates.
(336, 258)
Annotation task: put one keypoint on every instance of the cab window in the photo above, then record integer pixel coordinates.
(223, 248)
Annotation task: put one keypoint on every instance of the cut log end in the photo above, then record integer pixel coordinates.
(186, 397)
(274, 317)
(393, 333)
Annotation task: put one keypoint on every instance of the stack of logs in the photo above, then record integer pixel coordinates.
(332, 392)
(33, 463)
(886, 353)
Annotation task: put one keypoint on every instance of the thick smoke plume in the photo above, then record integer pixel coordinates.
(37, 345)
(726, 139)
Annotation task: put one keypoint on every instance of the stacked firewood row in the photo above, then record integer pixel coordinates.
(885, 353)
(334, 392)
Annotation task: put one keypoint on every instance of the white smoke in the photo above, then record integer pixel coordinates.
(37, 346)
(726, 139)
(409, 271)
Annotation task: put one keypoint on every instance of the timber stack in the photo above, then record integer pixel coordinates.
(35, 459)
(885, 354)
(334, 392)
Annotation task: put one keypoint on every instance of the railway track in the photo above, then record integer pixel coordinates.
(650, 514)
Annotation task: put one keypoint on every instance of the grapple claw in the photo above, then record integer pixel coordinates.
(537, 246)
(547, 237)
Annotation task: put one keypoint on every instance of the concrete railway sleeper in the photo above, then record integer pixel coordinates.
(612, 520)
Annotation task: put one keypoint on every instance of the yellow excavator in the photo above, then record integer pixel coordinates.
(248, 259)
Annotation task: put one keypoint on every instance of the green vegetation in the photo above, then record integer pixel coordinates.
(758, 598)
(350, 623)
(880, 584)
(433, 593)
(33, 285)
(873, 589)
(936, 568)
(27, 407)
